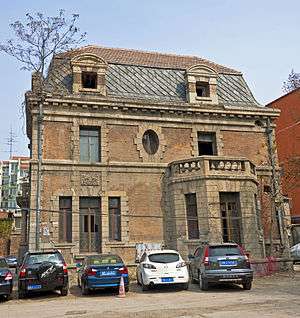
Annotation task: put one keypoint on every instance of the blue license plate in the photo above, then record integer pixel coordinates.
(32, 287)
(228, 263)
(167, 279)
(108, 273)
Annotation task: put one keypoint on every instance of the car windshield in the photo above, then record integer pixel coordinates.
(47, 257)
(224, 250)
(3, 263)
(104, 260)
(164, 258)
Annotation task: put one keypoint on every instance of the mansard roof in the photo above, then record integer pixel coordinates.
(149, 76)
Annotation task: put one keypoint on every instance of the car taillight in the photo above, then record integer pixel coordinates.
(91, 271)
(8, 276)
(123, 270)
(22, 272)
(181, 264)
(149, 266)
(245, 255)
(205, 257)
(65, 268)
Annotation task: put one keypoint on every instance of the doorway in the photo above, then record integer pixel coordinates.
(90, 224)
(231, 217)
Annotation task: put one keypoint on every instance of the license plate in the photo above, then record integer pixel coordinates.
(228, 263)
(32, 287)
(108, 273)
(167, 279)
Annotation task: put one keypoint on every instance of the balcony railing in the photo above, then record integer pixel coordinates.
(212, 165)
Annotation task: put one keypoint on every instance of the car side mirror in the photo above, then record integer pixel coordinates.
(191, 256)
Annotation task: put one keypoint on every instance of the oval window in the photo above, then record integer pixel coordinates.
(150, 142)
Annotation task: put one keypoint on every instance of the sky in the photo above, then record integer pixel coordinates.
(258, 38)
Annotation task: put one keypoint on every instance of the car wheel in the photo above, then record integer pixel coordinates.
(84, 289)
(185, 286)
(78, 282)
(144, 287)
(64, 291)
(203, 284)
(126, 289)
(137, 279)
(247, 285)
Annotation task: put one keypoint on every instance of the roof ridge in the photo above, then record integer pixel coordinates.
(157, 53)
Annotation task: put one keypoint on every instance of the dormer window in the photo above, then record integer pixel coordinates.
(89, 72)
(202, 85)
(89, 80)
(202, 89)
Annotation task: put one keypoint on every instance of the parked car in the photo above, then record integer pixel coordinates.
(102, 271)
(6, 279)
(42, 271)
(160, 267)
(295, 253)
(12, 261)
(220, 263)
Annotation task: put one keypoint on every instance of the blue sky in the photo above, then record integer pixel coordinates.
(259, 38)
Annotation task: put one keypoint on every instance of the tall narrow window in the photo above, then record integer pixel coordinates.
(192, 216)
(89, 144)
(65, 219)
(207, 144)
(114, 207)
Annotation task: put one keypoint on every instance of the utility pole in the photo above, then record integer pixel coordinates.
(39, 176)
(11, 140)
(276, 197)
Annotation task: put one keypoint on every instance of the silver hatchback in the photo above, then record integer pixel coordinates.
(220, 263)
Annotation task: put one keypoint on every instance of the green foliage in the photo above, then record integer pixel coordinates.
(5, 228)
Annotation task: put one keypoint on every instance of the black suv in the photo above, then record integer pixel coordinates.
(42, 271)
(220, 263)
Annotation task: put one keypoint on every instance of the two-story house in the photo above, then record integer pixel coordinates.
(148, 147)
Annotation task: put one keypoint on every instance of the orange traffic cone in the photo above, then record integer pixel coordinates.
(121, 288)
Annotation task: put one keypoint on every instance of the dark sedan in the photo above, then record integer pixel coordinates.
(6, 279)
(12, 261)
(102, 271)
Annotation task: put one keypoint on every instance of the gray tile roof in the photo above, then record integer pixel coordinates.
(151, 83)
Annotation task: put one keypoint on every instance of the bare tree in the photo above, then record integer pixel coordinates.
(36, 42)
(292, 82)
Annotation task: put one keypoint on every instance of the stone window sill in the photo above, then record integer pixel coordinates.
(203, 99)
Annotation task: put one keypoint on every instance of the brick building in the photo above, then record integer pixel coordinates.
(148, 147)
(288, 146)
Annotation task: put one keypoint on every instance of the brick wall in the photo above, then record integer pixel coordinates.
(178, 144)
(144, 199)
(288, 146)
(252, 145)
(57, 138)
(121, 145)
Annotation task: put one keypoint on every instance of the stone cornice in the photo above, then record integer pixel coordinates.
(138, 106)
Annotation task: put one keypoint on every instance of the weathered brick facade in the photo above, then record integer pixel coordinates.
(138, 92)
